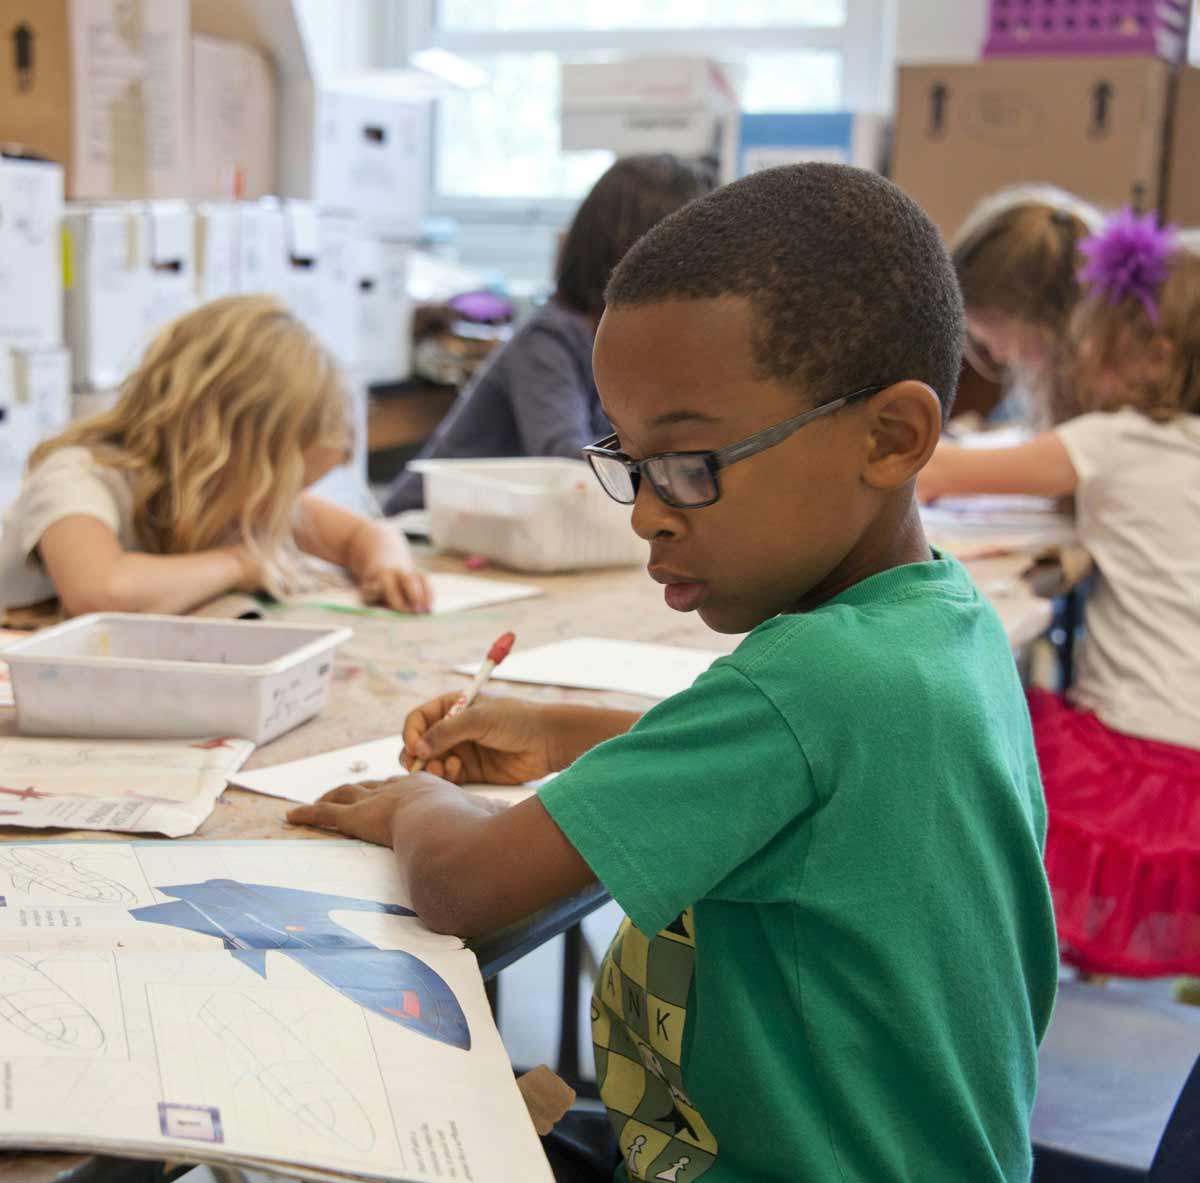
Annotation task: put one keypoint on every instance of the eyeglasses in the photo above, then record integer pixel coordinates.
(688, 480)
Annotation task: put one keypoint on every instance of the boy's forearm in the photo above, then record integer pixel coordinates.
(577, 729)
(471, 870)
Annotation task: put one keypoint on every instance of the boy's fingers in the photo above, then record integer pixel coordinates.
(324, 814)
(346, 794)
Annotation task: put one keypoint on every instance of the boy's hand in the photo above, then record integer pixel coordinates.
(495, 741)
(366, 810)
(400, 588)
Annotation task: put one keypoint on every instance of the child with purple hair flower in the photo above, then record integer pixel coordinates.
(1121, 759)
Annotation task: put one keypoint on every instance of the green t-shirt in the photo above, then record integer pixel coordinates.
(844, 953)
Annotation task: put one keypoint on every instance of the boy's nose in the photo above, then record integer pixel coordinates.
(652, 517)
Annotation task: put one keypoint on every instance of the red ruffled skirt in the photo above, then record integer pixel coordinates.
(1123, 844)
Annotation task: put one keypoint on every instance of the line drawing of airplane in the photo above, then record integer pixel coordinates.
(254, 919)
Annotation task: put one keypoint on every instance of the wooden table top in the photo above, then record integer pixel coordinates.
(393, 663)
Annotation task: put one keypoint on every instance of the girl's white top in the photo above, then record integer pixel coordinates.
(1138, 508)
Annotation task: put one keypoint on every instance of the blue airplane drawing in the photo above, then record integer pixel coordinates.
(254, 919)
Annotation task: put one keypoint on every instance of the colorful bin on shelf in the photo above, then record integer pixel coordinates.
(1157, 28)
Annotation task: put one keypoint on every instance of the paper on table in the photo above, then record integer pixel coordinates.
(594, 663)
(131, 786)
(379, 759)
(451, 593)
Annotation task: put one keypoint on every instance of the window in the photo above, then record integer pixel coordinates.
(497, 147)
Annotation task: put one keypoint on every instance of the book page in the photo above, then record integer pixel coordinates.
(275, 1003)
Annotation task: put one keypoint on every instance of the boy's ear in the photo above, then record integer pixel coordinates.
(904, 423)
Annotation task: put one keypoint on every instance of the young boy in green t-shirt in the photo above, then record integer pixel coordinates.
(839, 955)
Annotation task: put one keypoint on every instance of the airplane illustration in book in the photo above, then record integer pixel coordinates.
(255, 919)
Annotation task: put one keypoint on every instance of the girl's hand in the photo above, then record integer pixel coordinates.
(500, 741)
(397, 587)
(933, 481)
(253, 576)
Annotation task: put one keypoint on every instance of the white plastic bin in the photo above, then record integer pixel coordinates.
(536, 514)
(171, 677)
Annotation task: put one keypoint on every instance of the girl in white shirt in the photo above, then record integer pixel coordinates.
(1121, 759)
(194, 484)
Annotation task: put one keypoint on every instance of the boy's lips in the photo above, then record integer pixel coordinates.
(682, 594)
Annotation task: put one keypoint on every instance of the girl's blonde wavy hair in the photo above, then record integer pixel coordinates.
(1016, 256)
(214, 424)
(1113, 338)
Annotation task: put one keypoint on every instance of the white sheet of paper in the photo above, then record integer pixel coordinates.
(451, 593)
(305, 780)
(340, 1038)
(130, 786)
(594, 663)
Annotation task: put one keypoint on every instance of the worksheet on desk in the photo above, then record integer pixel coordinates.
(451, 593)
(272, 1003)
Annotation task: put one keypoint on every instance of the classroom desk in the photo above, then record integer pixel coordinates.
(393, 663)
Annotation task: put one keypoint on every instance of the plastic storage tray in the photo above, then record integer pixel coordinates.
(1088, 27)
(541, 514)
(152, 677)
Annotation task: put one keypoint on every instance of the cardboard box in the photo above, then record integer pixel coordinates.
(262, 248)
(109, 292)
(18, 433)
(384, 309)
(359, 144)
(233, 120)
(101, 87)
(216, 250)
(357, 152)
(42, 382)
(319, 279)
(684, 105)
(837, 137)
(1182, 204)
(31, 266)
(172, 263)
(1095, 126)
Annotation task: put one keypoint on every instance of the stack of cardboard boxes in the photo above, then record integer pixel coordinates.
(201, 159)
(1114, 121)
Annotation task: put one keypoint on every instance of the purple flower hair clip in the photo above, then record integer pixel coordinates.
(1129, 257)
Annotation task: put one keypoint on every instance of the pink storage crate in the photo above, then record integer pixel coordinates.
(1088, 28)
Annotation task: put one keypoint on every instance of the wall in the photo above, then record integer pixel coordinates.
(341, 34)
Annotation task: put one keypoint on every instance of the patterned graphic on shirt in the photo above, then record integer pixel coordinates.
(639, 1010)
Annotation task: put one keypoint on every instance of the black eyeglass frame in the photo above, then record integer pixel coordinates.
(722, 458)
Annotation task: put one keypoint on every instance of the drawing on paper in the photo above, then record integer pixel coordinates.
(39, 1007)
(254, 919)
(29, 867)
(287, 1070)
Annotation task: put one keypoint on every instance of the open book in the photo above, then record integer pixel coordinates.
(268, 1003)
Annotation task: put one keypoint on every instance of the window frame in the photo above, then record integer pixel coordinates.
(866, 42)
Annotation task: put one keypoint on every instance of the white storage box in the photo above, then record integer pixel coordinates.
(536, 514)
(161, 677)
(31, 266)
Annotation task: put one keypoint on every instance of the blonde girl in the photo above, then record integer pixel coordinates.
(1121, 759)
(1016, 257)
(194, 483)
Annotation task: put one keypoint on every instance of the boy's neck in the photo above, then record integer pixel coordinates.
(894, 539)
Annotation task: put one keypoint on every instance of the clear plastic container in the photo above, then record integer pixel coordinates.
(171, 677)
(535, 514)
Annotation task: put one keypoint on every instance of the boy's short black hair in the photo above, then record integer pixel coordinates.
(849, 282)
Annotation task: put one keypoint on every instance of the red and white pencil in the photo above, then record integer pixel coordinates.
(496, 654)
